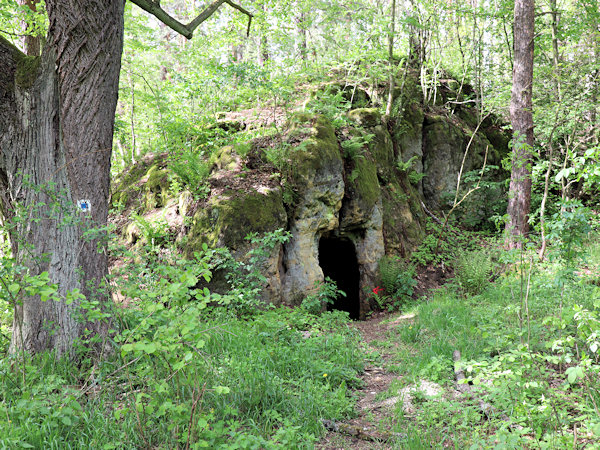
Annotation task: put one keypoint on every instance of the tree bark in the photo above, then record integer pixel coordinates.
(559, 107)
(390, 100)
(56, 124)
(416, 50)
(303, 34)
(521, 117)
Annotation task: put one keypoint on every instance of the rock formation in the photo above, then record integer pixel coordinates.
(347, 196)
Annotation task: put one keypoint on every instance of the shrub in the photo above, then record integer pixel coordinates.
(354, 147)
(397, 277)
(472, 271)
(193, 172)
(326, 293)
(332, 105)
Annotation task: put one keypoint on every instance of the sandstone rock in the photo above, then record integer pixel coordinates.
(359, 199)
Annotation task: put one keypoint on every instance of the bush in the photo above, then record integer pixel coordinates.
(472, 271)
(397, 277)
(193, 171)
(326, 293)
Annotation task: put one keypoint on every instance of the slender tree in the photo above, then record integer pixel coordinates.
(56, 128)
(521, 117)
(390, 100)
(31, 42)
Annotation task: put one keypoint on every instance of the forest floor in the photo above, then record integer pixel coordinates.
(368, 430)
(525, 344)
(375, 409)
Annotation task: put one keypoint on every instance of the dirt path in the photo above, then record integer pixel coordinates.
(371, 428)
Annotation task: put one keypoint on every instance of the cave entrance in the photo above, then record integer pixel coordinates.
(337, 258)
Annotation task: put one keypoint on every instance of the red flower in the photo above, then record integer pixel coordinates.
(378, 290)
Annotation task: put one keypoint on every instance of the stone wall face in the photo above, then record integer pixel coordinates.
(374, 198)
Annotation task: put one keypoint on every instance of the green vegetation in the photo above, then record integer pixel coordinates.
(190, 367)
(226, 131)
(529, 347)
(398, 282)
(325, 295)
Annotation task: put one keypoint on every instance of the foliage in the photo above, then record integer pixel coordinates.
(154, 231)
(398, 281)
(472, 271)
(244, 277)
(186, 370)
(436, 247)
(568, 229)
(483, 206)
(354, 147)
(192, 171)
(332, 104)
(407, 167)
(326, 293)
(524, 355)
(197, 368)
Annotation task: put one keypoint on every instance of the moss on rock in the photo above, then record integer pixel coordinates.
(143, 186)
(156, 187)
(224, 159)
(403, 217)
(381, 147)
(228, 218)
(365, 117)
(365, 185)
(319, 150)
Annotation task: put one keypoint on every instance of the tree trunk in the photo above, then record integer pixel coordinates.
(416, 50)
(302, 32)
(263, 56)
(56, 127)
(390, 100)
(521, 117)
(31, 44)
(558, 119)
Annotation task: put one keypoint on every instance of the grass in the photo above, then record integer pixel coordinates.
(533, 357)
(258, 382)
(194, 370)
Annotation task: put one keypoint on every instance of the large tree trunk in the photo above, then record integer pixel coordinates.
(56, 128)
(521, 117)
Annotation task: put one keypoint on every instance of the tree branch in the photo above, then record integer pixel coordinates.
(153, 7)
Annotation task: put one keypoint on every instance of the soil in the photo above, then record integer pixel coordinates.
(370, 428)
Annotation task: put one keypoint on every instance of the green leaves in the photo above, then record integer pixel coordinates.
(326, 294)
(221, 390)
(14, 289)
(574, 373)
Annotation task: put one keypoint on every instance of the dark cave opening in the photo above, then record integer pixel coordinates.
(337, 258)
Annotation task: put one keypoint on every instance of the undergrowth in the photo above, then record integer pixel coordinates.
(189, 368)
(529, 346)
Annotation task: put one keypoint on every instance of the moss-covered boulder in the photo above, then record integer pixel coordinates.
(403, 216)
(445, 143)
(318, 154)
(362, 191)
(317, 177)
(407, 135)
(224, 159)
(381, 147)
(143, 186)
(225, 220)
(357, 191)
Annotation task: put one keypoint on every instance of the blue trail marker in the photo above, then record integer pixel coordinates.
(84, 205)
